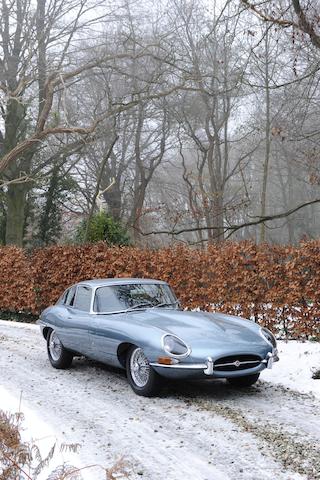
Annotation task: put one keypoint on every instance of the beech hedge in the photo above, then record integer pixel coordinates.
(277, 286)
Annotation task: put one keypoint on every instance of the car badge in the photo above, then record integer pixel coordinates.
(237, 363)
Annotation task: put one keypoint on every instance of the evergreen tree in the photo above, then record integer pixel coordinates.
(103, 227)
(59, 188)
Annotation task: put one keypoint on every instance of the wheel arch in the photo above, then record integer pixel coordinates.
(150, 351)
(45, 332)
(122, 352)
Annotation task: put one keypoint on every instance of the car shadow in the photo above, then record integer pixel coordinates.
(213, 389)
(218, 389)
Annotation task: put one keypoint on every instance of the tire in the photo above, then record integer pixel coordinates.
(245, 381)
(142, 378)
(59, 356)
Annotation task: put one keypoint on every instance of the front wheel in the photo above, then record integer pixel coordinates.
(245, 381)
(59, 356)
(141, 376)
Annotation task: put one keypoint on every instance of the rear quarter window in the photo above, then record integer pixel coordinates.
(82, 299)
(69, 298)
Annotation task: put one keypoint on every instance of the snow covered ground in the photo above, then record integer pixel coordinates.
(200, 431)
(35, 431)
(298, 361)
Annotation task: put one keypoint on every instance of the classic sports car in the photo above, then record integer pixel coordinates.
(137, 324)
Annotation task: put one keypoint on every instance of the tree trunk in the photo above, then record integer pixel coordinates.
(218, 215)
(16, 126)
(287, 197)
(268, 142)
(16, 202)
(96, 192)
(113, 199)
(138, 202)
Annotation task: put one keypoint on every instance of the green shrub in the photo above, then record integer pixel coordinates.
(103, 227)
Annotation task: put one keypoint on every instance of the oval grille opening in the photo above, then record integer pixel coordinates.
(236, 362)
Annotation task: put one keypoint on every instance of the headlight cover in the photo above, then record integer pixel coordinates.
(175, 347)
(268, 336)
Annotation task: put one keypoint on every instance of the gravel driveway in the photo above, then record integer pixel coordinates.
(200, 431)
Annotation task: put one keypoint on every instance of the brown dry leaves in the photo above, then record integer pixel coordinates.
(278, 286)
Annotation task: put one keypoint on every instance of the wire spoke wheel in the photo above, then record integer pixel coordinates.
(139, 368)
(55, 346)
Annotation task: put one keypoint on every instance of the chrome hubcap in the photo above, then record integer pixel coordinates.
(139, 368)
(55, 346)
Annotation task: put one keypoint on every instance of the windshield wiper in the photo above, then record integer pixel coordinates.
(166, 304)
(140, 305)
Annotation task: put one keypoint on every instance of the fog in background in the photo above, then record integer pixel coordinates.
(187, 121)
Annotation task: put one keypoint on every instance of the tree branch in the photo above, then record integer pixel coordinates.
(40, 135)
(233, 228)
(267, 18)
(303, 24)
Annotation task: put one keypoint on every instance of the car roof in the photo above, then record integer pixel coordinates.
(104, 282)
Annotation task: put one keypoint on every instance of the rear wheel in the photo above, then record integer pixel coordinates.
(141, 376)
(59, 356)
(245, 381)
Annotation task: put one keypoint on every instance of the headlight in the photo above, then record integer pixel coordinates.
(268, 336)
(175, 346)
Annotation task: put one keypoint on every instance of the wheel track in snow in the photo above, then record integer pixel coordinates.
(293, 448)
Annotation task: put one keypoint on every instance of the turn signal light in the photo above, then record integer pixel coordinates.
(167, 361)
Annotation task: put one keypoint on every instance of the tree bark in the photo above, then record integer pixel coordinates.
(268, 142)
(16, 202)
(96, 192)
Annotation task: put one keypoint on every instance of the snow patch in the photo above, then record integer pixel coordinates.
(35, 431)
(298, 361)
(28, 326)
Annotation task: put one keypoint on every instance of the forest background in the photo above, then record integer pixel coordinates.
(179, 121)
(167, 129)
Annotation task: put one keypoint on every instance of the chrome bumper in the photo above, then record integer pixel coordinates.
(207, 367)
(178, 366)
(268, 361)
(271, 358)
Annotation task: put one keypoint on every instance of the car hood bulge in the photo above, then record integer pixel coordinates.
(201, 327)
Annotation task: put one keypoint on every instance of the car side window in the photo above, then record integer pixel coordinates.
(83, 298)
(62, 299)
(106, 300)
(69, 297)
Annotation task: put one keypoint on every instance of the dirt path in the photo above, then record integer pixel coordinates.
(193, 431)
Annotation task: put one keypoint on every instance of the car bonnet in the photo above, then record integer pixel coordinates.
(201, 327)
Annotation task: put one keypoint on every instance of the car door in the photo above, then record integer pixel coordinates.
(78, 319)
(106, 333)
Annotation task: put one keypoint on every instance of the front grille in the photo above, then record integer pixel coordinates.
(236, 362)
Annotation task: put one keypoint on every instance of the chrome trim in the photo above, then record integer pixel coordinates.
(237, 363)
(265, 338)
(94, 312)
(130, 309)
(111, 313)
(209, 369)
(266, 360)
(110, 282)
(271, 358)
(72, 307)
(174, 355)
(186, 366)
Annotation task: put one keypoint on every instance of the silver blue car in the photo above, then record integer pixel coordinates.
(138, 325)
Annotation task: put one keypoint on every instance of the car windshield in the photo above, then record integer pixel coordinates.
(117, 298)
